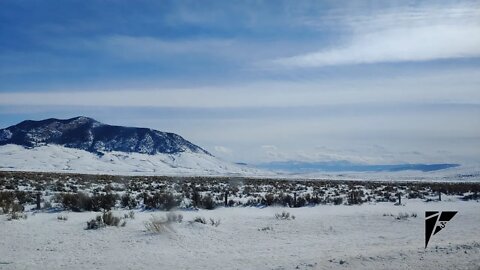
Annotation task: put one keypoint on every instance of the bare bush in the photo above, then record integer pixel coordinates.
(96, 223)
(130, 215)
(110, 220)
(62, 217)
(47, 205)
(214, 222)
(208, 202)
(78, 202)
(16, 215)
(264, 229)
(200, 220)
(162, 201)
(284, 216)
(157, 225)
(174, 217)
(402, 216)
(211, 221)
(7, 200)
(106, 219)
(128, 201)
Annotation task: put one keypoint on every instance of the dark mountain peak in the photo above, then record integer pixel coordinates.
(88, 134)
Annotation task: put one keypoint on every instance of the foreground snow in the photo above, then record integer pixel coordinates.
(322, 237)
(55, 158)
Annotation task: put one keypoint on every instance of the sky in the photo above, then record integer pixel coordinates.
(369, 82)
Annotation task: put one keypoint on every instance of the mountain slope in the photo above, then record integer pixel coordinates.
(84, 145)
(90, 135)
(56, 158)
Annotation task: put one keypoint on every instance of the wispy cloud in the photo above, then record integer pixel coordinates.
(430, 88)
(403, 36)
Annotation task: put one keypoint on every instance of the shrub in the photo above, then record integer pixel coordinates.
(402, 216)
(106, 219)
(208, 202)
(284, 216)
(301, 202)
(7, 199)
(162, 201)
(95, 224)
(16, 212)
(173, 217)
(62, 217)
(24, 197)
(47, 205)
(130, 215)
(264, 229)
(16, 215)
(200, 220)
(128, 201)
(214, 222)
(269, 199)
(76, 202)
(287, 200)
(354, 197)
(157, 225)
(110, 220)
(103, 202)
(337, 200)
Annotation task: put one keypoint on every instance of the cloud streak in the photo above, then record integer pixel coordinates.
(427, 88)
(406, 37)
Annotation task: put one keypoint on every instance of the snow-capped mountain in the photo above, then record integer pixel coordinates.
(90, 135)
(84, 145)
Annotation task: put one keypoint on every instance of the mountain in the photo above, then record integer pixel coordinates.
(95, 137)
(84, 145)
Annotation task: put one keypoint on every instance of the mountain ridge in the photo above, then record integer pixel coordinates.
(93, 136)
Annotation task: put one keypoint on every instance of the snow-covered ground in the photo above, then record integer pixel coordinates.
(322, 237)
(463, 173)
(56, 158)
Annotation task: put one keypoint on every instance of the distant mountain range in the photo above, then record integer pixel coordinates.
(345, 166)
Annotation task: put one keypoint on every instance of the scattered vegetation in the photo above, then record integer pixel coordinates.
(106, 219)
(16, 215)
(174, 217)
(284, 216)
(200, 220)
(401, 215)
(264, 229)
(62, 217)
(76, 192)
(158, 225)
(212, 221)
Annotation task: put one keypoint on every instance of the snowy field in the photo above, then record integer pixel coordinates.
(321, 237)
(55, 158)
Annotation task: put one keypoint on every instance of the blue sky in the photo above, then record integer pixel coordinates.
(256, 81)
